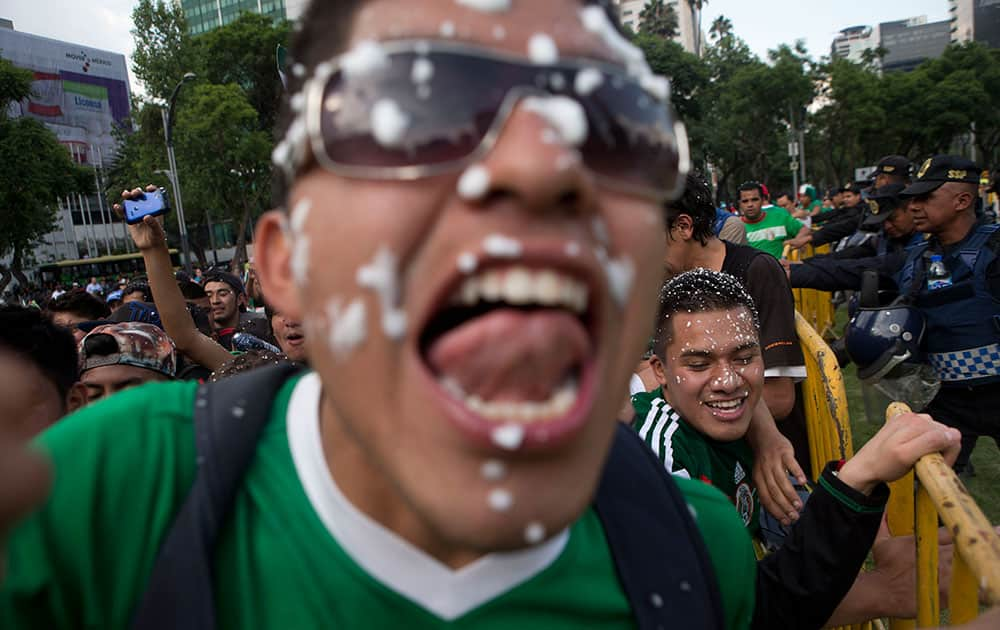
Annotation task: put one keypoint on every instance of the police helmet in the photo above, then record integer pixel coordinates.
(879, 339)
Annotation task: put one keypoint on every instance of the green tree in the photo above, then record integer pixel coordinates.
(37, 171)
(658, 19)
(163, 48)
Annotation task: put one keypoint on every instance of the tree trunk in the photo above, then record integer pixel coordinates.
(240, 255)
(5, 277)
(15, 267)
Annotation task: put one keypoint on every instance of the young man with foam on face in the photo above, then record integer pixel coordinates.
(455, 229)
(707, 360)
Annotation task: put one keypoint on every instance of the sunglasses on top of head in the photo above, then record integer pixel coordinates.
(422, 108)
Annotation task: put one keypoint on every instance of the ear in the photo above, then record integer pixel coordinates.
(683, 227)
(76, 397)
(272, 260)
(659, 370)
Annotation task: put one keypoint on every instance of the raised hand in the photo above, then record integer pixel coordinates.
(146, 235)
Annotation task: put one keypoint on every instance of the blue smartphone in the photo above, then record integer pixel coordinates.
(151, 204)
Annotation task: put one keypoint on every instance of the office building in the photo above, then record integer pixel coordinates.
(975, 20)
(908, 43)
(688, 21)
(205, 15)
(852, 42)
(82, 95)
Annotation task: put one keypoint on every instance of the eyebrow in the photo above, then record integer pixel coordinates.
(708, 353)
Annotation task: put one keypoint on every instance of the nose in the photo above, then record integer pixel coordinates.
(726, 379)
(533, 163)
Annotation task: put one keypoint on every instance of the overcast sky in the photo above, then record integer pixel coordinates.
(763, 24)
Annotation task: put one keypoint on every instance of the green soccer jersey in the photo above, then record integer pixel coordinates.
(295, 552)
(772, 230)
(688, 453)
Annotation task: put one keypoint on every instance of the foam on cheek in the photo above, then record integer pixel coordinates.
(499, 32)
(381, 276)
(493, 470)
(600, 230)
(621, 274)
(565, 115)
(542, 49)
(474, 183)
(534, 533)
(346, 326)
(299, 241)
(500, 500)
(467, 262)
(486, 6)
(447, 29)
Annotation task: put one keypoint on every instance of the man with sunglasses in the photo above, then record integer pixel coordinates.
(473, 216)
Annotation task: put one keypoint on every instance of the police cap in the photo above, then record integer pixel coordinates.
(942, 169)
(881, 202)
(893, 165)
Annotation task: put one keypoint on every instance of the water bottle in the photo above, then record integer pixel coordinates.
(938, 276)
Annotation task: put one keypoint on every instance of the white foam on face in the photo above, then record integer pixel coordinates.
(486, 6)
(423, 91)
(381, 276)
(299, 261)
(298, 70)
(620, 273)
(299, 215)
(447, 29)
(567, 160)
(474, 183)
(588, 80)
(346, 326)
(508, 436)
(557, 81)
(422, 70)
(534, 533)
(500, 246)
(573, 249)
(493, 470)
(499, 32)
(563, 114)
(467, 262)
(389, 123)
(542, 49)
(500, 500)
(596, 21)
(549, 136)
(600, 229)
(297, 102)
(366, 57)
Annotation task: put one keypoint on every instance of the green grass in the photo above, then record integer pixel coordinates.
(984, 486)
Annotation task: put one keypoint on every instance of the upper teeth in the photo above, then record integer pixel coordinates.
(725, 404)
(523, 286)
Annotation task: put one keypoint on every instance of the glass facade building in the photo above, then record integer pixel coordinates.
(205, 15)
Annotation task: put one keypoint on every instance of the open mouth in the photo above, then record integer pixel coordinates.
(729, 409)
(513, 344)
(294, 338)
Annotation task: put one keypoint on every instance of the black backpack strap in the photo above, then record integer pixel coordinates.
(662, 561)
(229, 417)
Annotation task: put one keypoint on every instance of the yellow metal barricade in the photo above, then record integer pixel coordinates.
(825, 405)
(914, 508)
(825, 399)
(815, 306)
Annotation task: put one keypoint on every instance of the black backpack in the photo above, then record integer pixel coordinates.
(661, 560)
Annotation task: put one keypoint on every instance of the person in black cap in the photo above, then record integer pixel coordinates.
(838, 223)
(227, 299)
(892, 169)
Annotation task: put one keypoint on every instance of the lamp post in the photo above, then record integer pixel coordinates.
(168, 135)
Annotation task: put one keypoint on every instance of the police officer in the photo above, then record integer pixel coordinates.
(953, 278)
(840, 223)
(890, 215)
(892, 169)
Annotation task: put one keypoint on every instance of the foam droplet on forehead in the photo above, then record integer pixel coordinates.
(563, 114)
(542, 49)
(366, 57)
(486, 6)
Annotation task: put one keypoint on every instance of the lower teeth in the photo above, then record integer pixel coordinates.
(560, 402)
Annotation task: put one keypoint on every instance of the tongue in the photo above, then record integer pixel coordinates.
(511, 355)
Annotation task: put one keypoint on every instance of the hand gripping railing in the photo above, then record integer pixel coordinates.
(914, 507)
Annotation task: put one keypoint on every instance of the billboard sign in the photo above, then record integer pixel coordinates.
(80, 93)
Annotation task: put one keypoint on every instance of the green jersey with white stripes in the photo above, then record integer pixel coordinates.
(688, 453)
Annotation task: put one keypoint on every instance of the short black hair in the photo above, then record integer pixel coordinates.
(699, 291)
(785, 193)
(138, 287)
(696, 202)
(191, 290)
(80, 303)
(28, 333)
(752, 186)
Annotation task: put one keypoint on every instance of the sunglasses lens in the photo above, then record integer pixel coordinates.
(390, 120)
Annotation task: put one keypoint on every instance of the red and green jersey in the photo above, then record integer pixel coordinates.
(690, 454)
(295, 552)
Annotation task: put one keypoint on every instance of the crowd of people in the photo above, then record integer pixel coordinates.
(486, 238)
